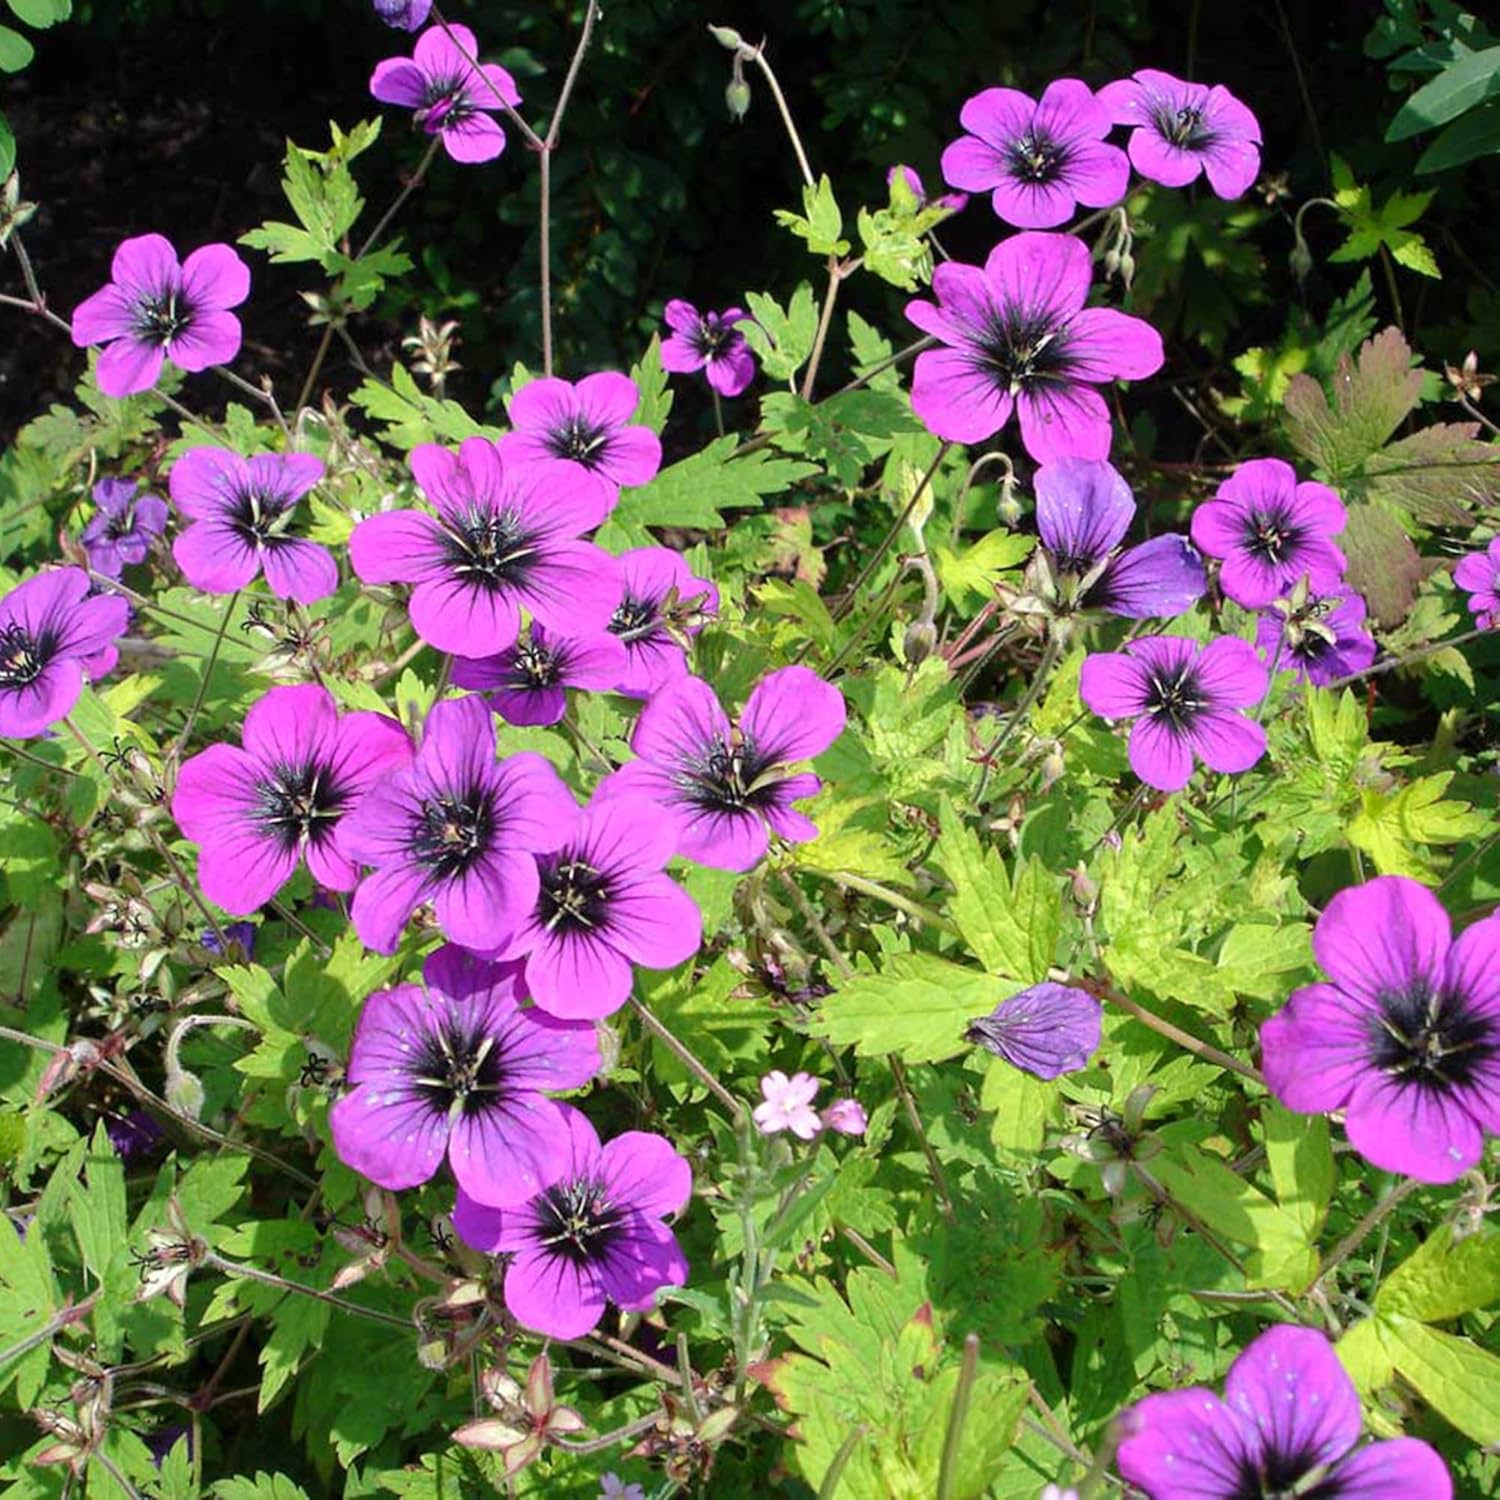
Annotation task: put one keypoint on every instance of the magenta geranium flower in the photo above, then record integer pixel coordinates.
(1479, 575)
(122, 527)
(787, 1104)
(529, 682)
(255, 811)
(728, 788)
(52, 636)
(1083, 510)
(1185, 701)
(1405, 1036)
(409, 15)
(243, 511)
(456, 828)
(154, 309)
(1038, 160)
(1048, 1030)
(604, 905)
(709, 342)
(1319, 635)
(1020, 339)
(1182, 129)
(587, 424)
(662, 603)
(594, 1235)
(1289, 1424)
(454, 1067)
(503, 537)
(1269, 530)
(453, 98)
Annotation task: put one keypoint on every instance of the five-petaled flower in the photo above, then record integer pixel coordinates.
(52, 636)
(504, 537)
(1318, 633)
(528, 682)
(787, 1104)
(1184, 699)
(454, 1067)
(123, 527)
(1047, 1030)
(255, 811)
(1405, 1035)
(1021, 340)
(661, 605)
(1289, 1424)
(593, 1234)
(242, 511)
(452, 93)
(1182, 129)
(709, 342)
(154, 309)
(728, 788)
(1479, 575)
(1038, 160)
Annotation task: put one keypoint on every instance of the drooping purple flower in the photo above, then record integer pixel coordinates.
(122, 527)
(728, 789)
(1479, 575)
(504, 537)
(709, 342)
(243, 511)
(1185, 700)
(241, 934)
(594, 1235)
(1083, 510)
(662, 602)
(953, 202)
(787, 1104)
(605, 903)
(456, 828)
(155, 309)
(1316, 633)
(1182, 129)
(1039, 160)
(256, 810)
(409, 15)
(454, 98)
(1290, 1413)
(1269, 530)
(133, 1134)
(528, 682)
(1020, 339)
(1047, 1030)
(1405, 1036)
(52, 636)
(588, 424)
(455, 1067)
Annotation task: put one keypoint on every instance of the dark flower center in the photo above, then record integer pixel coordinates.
(583, 441)
(454, 833)
(1175, 698)
(261, 516)
(489, 549)
(634, 618)
(122, 525)
(23, 657)
(574, 896)
(1271, 537)
(713, 337)
(158, 320)
(444, 104)
(721, 778)
(300, 804)
(457, 1070)
(1036, 158)
(577, 1221)
(1431, 1037)
(536, 666)
(1024, 351)
(1183, 128)
(1277, 1476)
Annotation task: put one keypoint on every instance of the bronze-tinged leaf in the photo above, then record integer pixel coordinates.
(1439, 475)
(1383, 564)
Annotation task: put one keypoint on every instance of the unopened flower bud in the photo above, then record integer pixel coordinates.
(737, 98)
(1300, 260)
(1127, 268)
(184, 1092)
(920, 641)
(1111, 261)
(727, 37)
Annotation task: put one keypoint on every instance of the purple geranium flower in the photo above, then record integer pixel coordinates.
(122, 527)
(1317, 633)
(1083, 510)
(52, 635)
(1020, 339)
(662, 602)
(409, 15)
(459, 829)
(1039, 160)
(255, 811)
(728, 788)
(1290, 1413)
(1183, 699)
(1406, 1036)
(503, 537)
(1183, 129)
(528, 683)
(133, 1134)
(709, 342)
(455, 1067)
(1270, 530)
(452, 96)
(1047, 1030)
(155, 309)
(1479, 574)
(242, 510)
(595, 1234)
(587, 424)
(604, 905)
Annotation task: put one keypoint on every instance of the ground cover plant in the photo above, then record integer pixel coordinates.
(721, 927)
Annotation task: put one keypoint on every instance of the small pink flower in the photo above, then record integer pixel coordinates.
(847, 1116)
(788, 1105)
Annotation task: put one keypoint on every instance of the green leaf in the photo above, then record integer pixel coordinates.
(1443, 1279)
(1391, 827)
(970, 576)
(1453, 1375)
(820, 223)
(7, 148)
(15, 51)
(28, 1299)
(1458, 88)
(42, 13)
(782, 339)
(263, 1487)
(656, 396)
(1476, 134)
(1021, 1104)
(1301, 1161)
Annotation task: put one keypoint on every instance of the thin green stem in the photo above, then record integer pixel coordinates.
(316, 368)
(914, 1119)
(213, 656)
(758, 57)
(1396, 662)
(958, 1416)
(833, 1476)
(883, 893)
(410, 186)
(1356, 1236)
(687, 1059)
(1184, 1039)
(836, 275)
(268, 1278)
